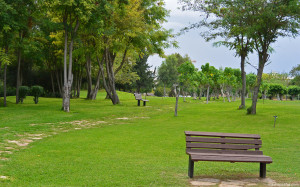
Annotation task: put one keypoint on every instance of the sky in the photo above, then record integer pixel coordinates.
(283, 59)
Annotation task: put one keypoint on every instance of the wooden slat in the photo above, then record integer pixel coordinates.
(229, 155)
(216, 134)
(138, 96)
(191, 151)
(223, 140)
(221, 146)
(231, 159)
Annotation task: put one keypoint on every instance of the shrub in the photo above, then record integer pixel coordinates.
(293, 91)
(23, 92)
(249, 110)
(9, 91)
(36, 92)
(52, 95)
(276, 89)
(159, 91)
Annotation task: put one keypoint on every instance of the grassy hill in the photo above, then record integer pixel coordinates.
(98, 144)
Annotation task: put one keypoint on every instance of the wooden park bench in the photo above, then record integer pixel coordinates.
(139, 98)
(225, 147)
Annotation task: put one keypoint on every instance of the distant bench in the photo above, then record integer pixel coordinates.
(225, 147)
(139, 98)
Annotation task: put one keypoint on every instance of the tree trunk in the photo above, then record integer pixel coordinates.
(263, 56)
(68, 78)
(111, 77)
(164, 90)
(96, 88)
(106, 81)
(18, 76)
(234, 97)
(79, 85)
(52, 82)
(107, 96)
(228, 96)
(223, 95)
(278, 97)
(207, 95)
(194, 95)
(176, 104)
(89, 75)
(66, 94)
(92, 93)
(58, 83)
(4, 86)
(109, 81)
(200, 94)
(243, 94)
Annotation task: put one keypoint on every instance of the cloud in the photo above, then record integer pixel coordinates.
(286, 53)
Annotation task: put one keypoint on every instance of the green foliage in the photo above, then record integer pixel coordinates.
(264, 87)
(276, 89)
(210, 74)
(10, 91)
(276, 78)
(293, 90)
(168, 71)
(23, 92)
(4, 58)
(159, 91)
(187, 75)
(295, 72)
(251, 80)
(145, 82)
(36, 92)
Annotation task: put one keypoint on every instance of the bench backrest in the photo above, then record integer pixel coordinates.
(222, 143)
(138, 96)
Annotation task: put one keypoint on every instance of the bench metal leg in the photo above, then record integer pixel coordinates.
(262, 171)
(144, 103)
(139, 102)
(191, 168)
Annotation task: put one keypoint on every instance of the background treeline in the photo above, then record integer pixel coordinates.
(225, 82)
(68, 45)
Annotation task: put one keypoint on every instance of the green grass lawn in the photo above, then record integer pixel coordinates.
(126, 145)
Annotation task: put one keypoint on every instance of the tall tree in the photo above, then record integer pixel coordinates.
(209, 73)
(270, 19)
(168, 70)
(295, 72)
(225, 19)
(130, 26)
(187, 76)
(70, 13)
(7, 27)
(146, 76)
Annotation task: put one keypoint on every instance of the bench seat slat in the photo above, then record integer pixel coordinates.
(223, 158)
(224, 140)
(230, 155)
(215, 134)
(224, 151)
(221, 146)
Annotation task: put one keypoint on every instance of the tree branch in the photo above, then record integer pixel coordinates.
(122, 63)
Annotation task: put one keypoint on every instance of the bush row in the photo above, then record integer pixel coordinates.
(35, 91)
